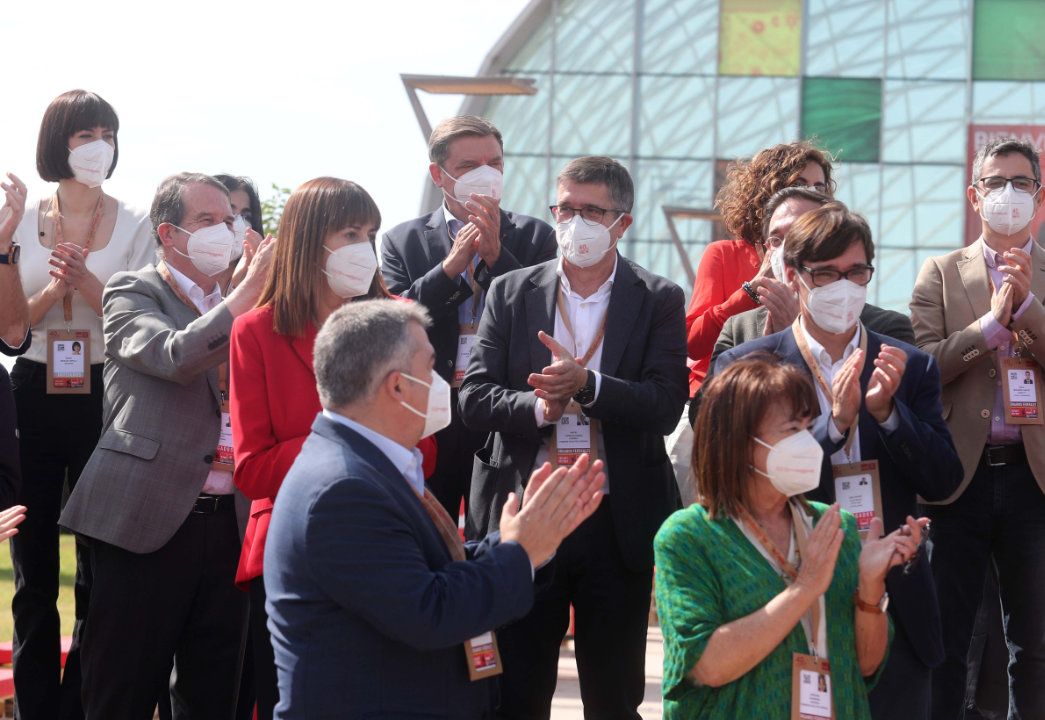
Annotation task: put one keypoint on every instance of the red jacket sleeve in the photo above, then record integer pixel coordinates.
(716, 298)
(261, 460)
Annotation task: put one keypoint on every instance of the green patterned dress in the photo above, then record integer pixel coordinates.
(709, 574)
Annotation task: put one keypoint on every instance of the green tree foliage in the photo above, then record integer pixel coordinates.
(272, 208)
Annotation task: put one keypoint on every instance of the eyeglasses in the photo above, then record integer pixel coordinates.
(774, 241)
(1021, 183)
(859, 274)
(589, 213)
(820, 187)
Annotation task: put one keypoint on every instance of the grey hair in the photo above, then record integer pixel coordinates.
(600, 170)
(1005, 146)
(359, 344)
(781, 196)
(168, 206)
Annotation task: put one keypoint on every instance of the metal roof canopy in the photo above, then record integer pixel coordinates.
(460, 85)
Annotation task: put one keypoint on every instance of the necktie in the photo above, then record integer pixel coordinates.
(455, 226)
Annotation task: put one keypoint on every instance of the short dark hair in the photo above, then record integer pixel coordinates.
(235, 182)
(1006, 146)
(456, 127)
(734, 403)
(824, 234)
(168, 205)
(68, 114)
(601, 170)
(789, 193)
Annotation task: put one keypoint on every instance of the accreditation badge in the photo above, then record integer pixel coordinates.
(858, 489)
(465, 342)
(484, 659)
(223, 457)
(1021, 389)
(810, 688)
(68, 362)
(575, 434)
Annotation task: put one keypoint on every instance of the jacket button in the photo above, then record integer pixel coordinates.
(985, 414)
(449, 363)
(992, 372)
(210, 458)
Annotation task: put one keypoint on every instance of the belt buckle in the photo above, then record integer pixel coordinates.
(204, 510)
(991, 462)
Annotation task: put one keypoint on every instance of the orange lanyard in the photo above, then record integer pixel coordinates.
(59, 237)
(223, 368)
(814, 367)
(599, 334)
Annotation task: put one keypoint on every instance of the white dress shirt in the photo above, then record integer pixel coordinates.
(408, 461)
(219, 482)
(585, 317)
(828, 369)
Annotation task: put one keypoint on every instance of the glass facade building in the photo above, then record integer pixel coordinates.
(676, 89)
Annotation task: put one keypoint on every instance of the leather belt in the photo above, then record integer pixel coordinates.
(210, 504)
(1002, 455)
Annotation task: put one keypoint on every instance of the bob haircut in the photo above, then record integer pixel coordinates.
(733, 405)
(295, 280)
(68, 114)
(826, 233)
(749, 185)
(233, 183)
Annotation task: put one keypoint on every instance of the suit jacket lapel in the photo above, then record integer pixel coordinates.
(626, 299)
(1037, 280)
(973, 271)
(540, 314)
(184, 315)
(868, 425)
(437, 238)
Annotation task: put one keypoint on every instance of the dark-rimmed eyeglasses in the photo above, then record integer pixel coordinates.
(859, 274)
(589, 213)
(998, 182)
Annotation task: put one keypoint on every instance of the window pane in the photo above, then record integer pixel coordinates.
(674, 114)
(679, 36)
(760, 37)
(845, 115)
(923, 122)
(754, 113)
(845, 39)
(1006, 42)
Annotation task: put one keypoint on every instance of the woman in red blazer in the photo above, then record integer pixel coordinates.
(324, 257)
(725, 266)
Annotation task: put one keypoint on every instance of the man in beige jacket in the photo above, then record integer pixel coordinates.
(979, 312)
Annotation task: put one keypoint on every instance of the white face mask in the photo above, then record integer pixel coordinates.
(776, 262)
(437, 414)
(239, 232)
(209, 248)
(91, 161)
(350, 269)
(1008, 210)
(483, 180)
(793, 464)
(582, 244)
(836, 307)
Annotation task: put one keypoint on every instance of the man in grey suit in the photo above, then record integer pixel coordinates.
(156, 502)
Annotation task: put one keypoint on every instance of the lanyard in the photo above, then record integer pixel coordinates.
(599, 334)
(814, 367)
(476, 292)
(59, 237)
(801, 536)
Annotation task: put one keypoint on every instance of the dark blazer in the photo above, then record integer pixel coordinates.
(10, 462)
(412, 254)
(750, 324)
(918, 458)
(367, 611)
(640, 401)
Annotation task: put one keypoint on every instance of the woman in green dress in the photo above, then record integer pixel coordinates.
(755, 584)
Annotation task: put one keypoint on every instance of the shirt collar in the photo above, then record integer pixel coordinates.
(191, 289)
(604, 289)
(406, 461)
(990, 255)
(821, 354)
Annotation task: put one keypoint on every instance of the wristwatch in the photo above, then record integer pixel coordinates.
(751, 293)
(877, 609)
(586, 395)
(12, 255)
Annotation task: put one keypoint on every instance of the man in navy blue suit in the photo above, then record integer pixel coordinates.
(446, 261)
(880, 424)
(376, 607)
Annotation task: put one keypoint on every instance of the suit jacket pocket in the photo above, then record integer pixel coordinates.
(127, 442)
